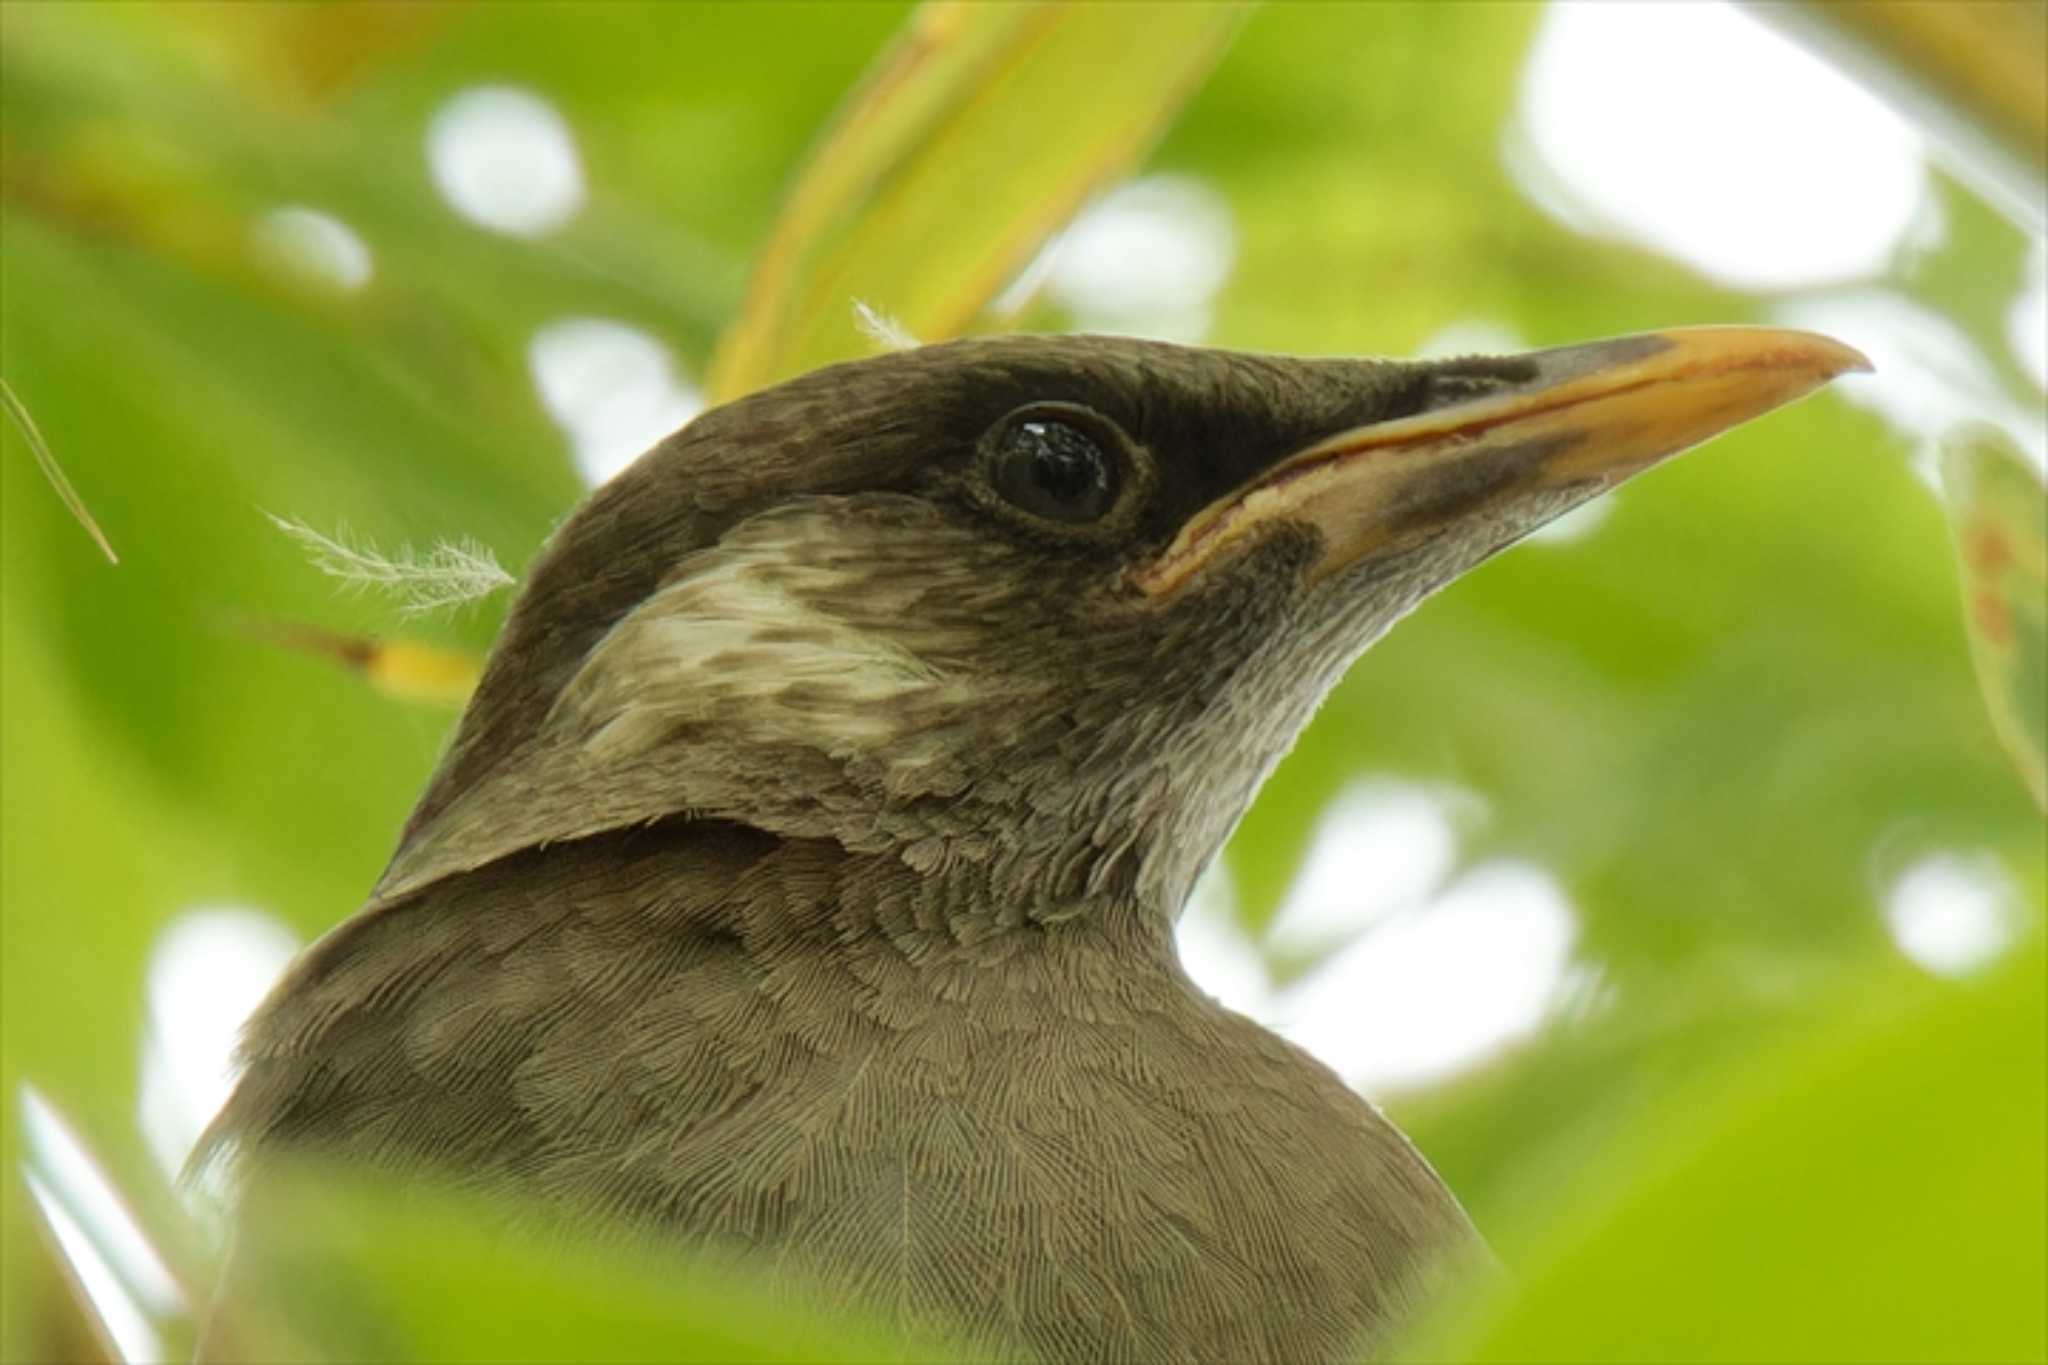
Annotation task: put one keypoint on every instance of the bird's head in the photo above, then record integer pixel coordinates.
(1047, 606)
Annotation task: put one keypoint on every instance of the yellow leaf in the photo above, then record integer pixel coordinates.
(979, 132)
(405, 669)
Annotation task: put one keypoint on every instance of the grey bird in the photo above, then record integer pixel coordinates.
(800, 883)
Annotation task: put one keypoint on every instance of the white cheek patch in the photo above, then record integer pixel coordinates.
(741, 638)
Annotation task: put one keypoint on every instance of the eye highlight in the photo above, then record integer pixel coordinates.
(1054, 465)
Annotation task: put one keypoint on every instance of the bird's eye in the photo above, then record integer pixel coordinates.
(1052, 469)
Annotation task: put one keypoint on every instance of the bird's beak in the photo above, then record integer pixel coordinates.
(1585, 418)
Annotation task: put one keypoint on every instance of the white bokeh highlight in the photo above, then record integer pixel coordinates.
(504, 159)
(1575, 526)
(1953, 914)
(1146, 259)
(1379, 848)
(1700, 132)
(314, 246)
(1431, 993)
(1929, 377)
(612, 388)
(1471, 336)
(1436, 977)
(1215, 951)
(2027, 322)
(210, 968)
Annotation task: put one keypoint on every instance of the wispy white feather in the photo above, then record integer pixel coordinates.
(447, 575)
(882, 329)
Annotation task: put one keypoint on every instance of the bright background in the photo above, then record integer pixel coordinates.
(1587, 873)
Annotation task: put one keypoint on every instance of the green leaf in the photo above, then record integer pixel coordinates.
(1868, 1186)
(1997, 506)
(971, 140)
(333, 1265)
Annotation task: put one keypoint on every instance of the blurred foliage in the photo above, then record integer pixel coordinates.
(383, 1271)
(1999, 506)
(1970, 74)
(1726, 721)
(1868, 1189)
(910, 158)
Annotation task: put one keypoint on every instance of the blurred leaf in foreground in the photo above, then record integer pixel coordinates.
(336, 1265)
(973, 138)
(1995, 503)
(1870, 1189)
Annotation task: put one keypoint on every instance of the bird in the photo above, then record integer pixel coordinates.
(799, 885)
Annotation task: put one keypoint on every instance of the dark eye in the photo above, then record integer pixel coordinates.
(1052, 469)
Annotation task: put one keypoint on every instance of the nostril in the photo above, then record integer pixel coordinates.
(1469, 377)
(1442, 383)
